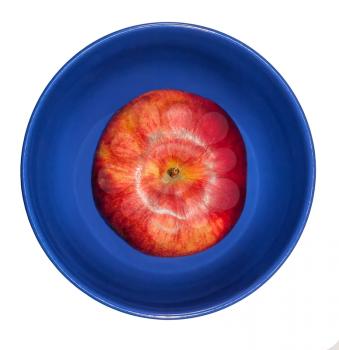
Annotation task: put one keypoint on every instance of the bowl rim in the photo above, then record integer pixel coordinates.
(34, 221)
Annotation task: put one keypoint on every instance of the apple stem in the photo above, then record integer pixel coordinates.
(173, 172)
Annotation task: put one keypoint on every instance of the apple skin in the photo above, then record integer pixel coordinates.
(169, 173)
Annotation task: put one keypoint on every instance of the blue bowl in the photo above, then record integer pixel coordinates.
(62, 136)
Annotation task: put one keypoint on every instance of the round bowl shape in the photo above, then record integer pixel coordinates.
(60, 145)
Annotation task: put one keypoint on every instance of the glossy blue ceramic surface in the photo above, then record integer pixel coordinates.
(63, 133)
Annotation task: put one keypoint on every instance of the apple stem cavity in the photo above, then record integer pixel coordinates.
(173, 172)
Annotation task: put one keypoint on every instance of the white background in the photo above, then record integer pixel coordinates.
(298, 308)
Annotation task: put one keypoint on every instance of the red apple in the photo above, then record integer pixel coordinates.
(169, 173)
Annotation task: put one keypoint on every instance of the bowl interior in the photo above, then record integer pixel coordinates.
(61, 142)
